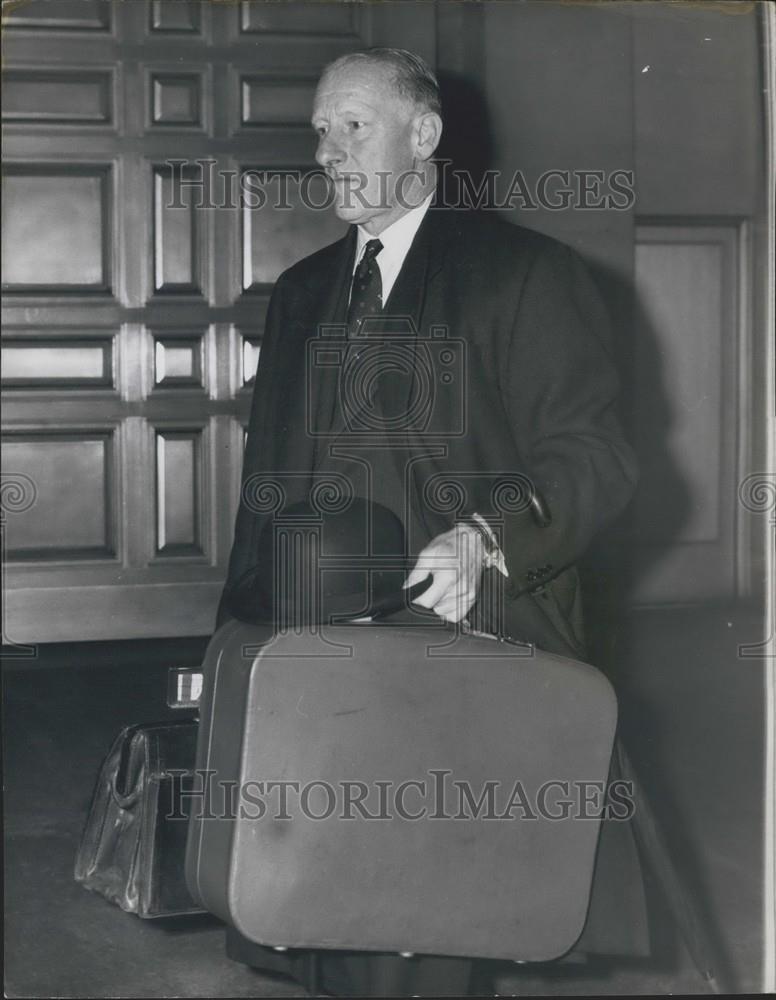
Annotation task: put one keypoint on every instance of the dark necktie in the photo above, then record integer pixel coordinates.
(366, 296)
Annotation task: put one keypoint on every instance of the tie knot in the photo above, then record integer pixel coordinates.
(372, 249)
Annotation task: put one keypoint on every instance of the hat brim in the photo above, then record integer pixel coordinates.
(252, 606)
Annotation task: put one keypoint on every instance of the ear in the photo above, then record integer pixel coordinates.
(428, 132)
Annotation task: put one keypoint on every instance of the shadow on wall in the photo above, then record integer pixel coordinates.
(656, 662)
(622, 555)
(667, 652)
(467, 139)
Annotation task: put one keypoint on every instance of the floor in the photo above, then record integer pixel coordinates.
(62, 711)
(61, 940)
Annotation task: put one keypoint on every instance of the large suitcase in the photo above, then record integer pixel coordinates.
(478, 767)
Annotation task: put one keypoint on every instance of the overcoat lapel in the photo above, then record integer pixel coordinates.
(310, 388)
(331, 302)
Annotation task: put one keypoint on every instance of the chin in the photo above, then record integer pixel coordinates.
(351, 213)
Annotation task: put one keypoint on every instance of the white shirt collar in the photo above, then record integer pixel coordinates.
(396, 240)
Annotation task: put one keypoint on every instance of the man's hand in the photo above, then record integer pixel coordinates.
(455, 558)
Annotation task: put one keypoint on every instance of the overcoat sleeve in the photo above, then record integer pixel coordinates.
(560, 393)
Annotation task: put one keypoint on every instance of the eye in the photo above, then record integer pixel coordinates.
(356, 125)
(320, 130)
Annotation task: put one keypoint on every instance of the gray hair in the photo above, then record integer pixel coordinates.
(413, 78)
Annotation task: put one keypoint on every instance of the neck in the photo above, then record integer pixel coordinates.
(413, 194)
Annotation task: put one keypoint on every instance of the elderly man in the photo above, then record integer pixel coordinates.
(517, 417)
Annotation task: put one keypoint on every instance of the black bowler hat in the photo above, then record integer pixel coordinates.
(317, 566)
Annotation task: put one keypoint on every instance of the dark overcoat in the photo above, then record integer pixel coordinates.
(522, 404)
(517, 397)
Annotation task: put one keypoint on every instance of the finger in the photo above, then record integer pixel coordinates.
(437, 592)
(416, 574)
(450, 613)
(450, 605)
(473, 561)
(427, 563)
(469, 595)
(455, 606)
(442, 587)
(449, 589)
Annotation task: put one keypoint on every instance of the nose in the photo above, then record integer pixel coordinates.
(329, 152)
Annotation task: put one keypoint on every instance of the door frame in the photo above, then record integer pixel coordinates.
(769, 486)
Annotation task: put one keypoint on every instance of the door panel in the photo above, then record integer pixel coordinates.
(60, 15)
(65, 97)
(75, 509)
(57, 232)
(57, 361)
(180, 493)
(686, 401)
(136, 289)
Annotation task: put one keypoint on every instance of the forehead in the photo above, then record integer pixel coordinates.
(363, 81)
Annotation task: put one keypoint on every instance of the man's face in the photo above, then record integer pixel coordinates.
(365, 143)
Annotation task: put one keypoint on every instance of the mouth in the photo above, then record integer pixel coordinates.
(342, 178)
(347, 192)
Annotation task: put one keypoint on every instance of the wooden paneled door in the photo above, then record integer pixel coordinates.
(136, 280)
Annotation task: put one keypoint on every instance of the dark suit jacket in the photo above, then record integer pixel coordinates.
(532, 401)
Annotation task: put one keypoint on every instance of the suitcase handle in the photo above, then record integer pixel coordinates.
(402, 599)
(126, 784)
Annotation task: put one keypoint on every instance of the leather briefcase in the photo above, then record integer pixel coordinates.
(133, 846)
(463, 753)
